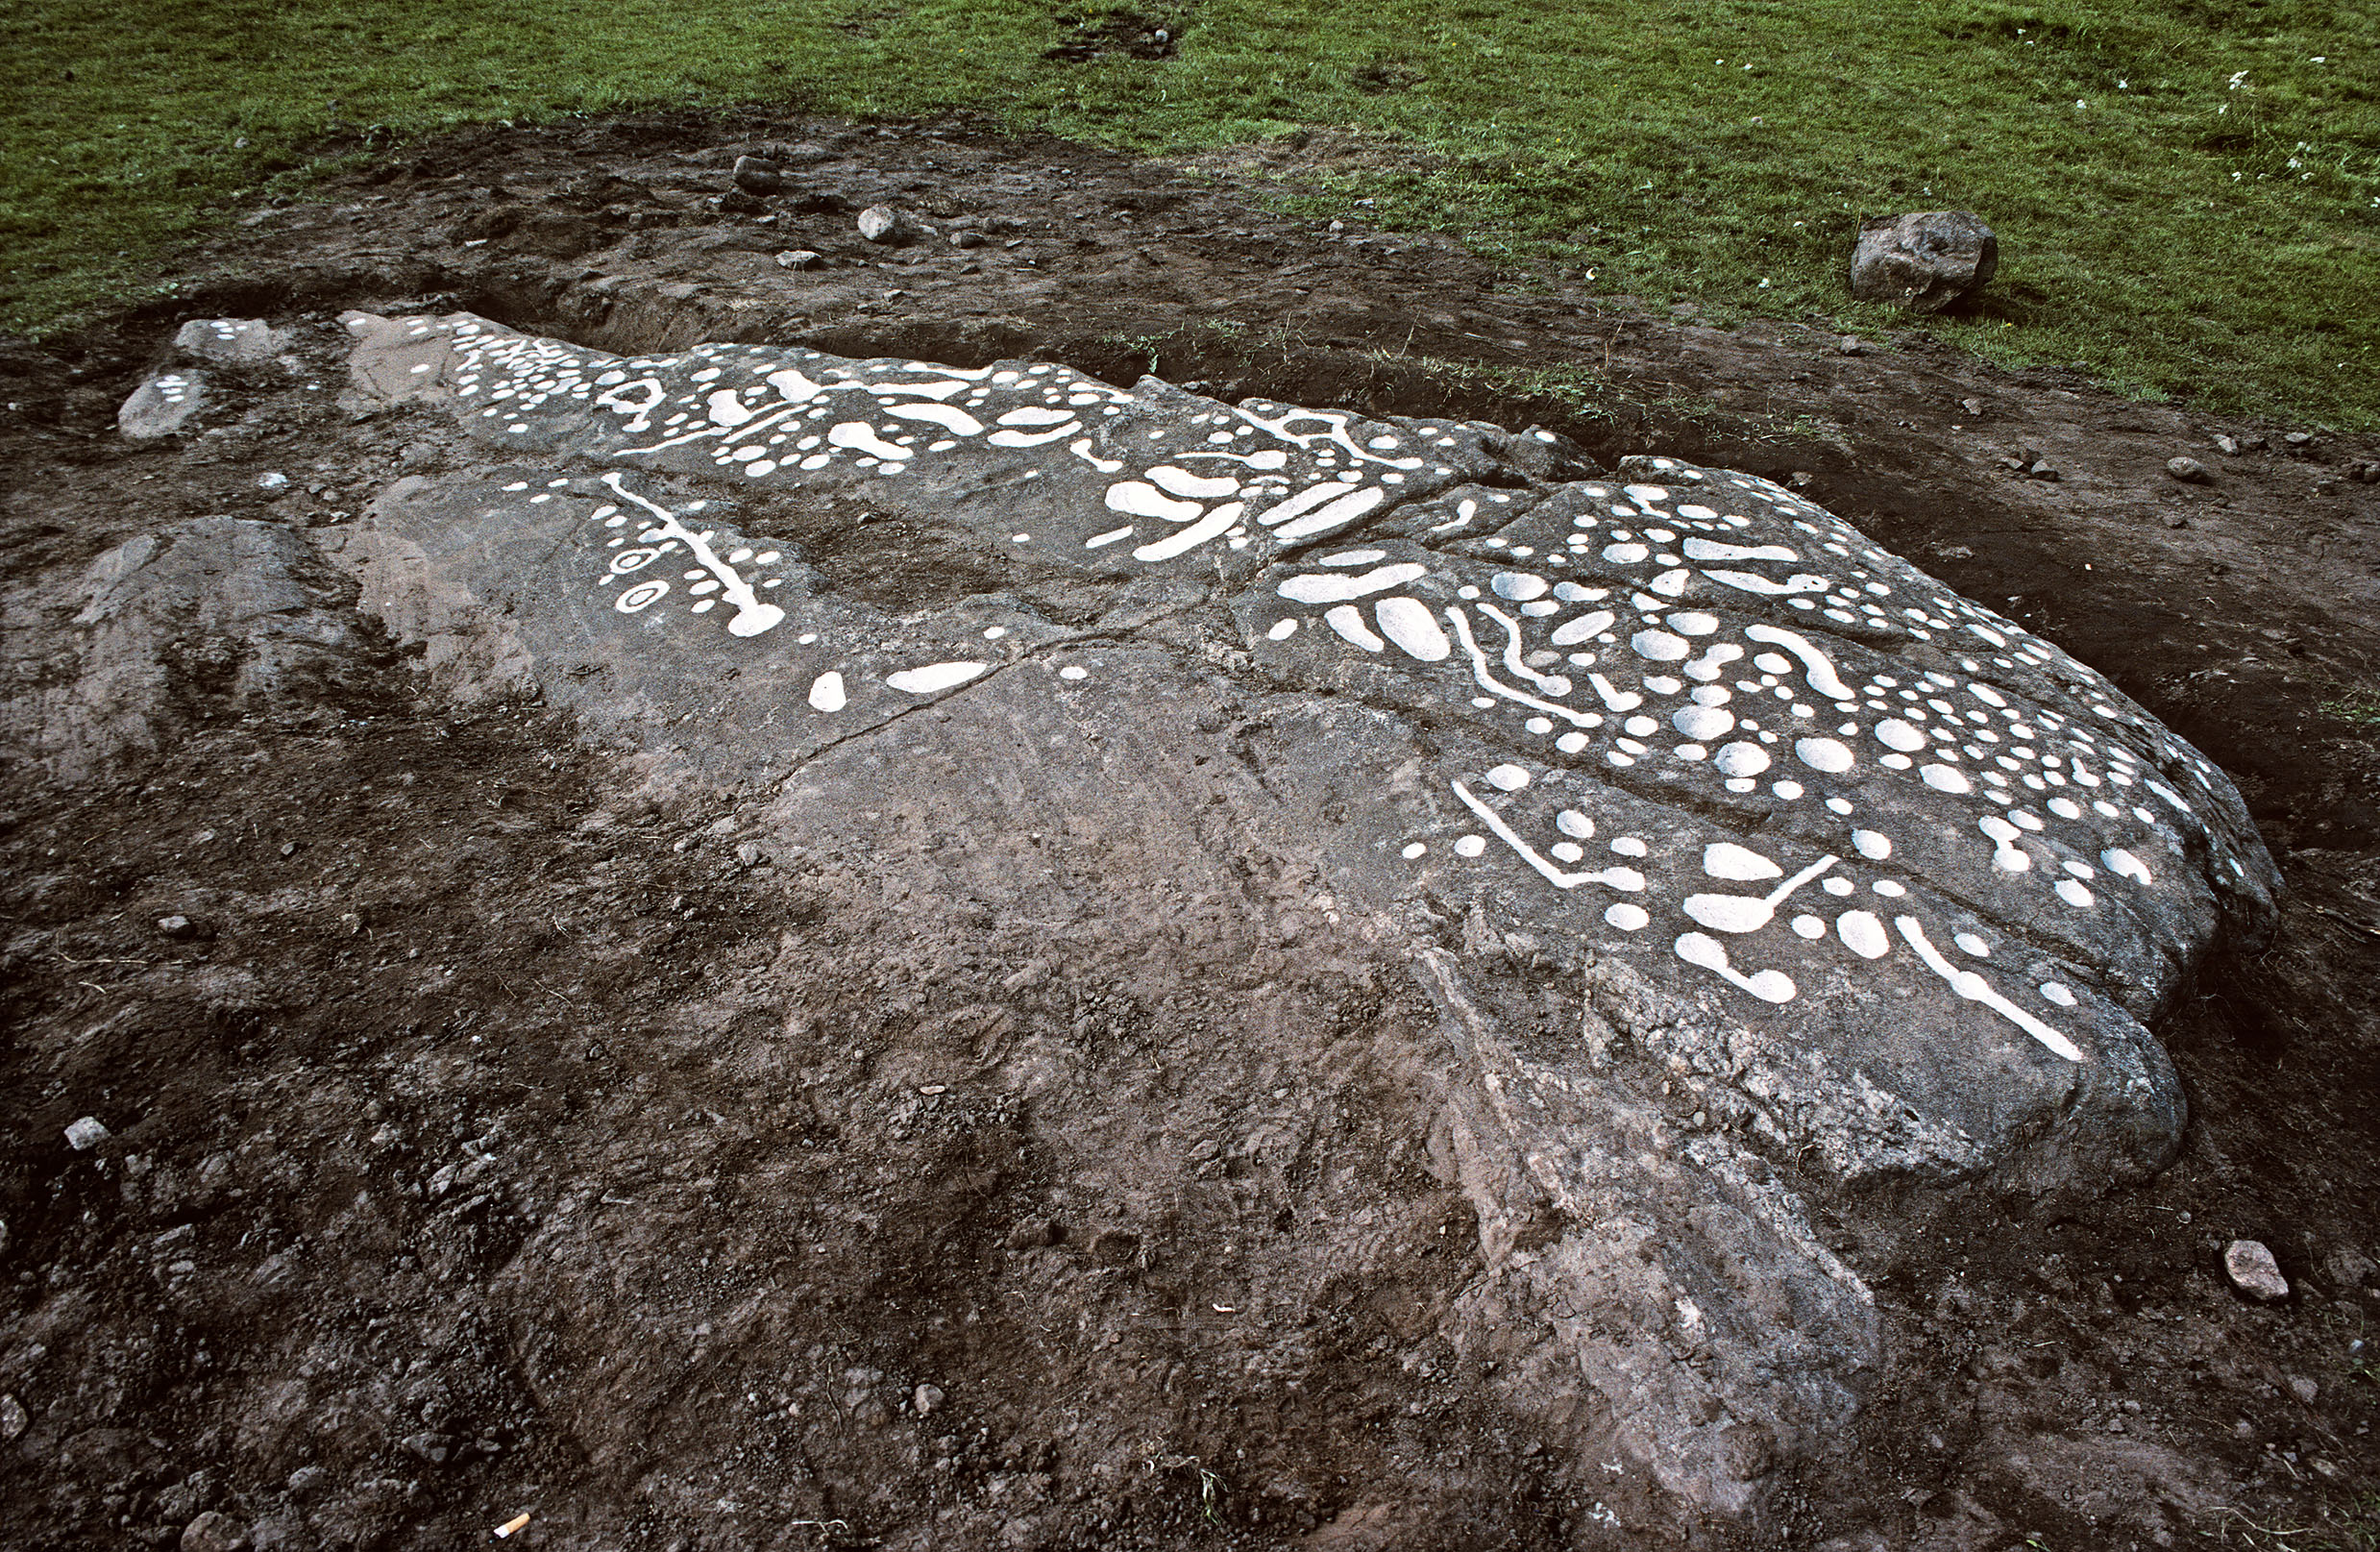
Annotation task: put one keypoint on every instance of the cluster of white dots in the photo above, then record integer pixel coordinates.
(1766, 712)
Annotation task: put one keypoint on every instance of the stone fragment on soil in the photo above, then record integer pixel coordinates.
(86, 1134)
(435, 1448)
(2252, 1270)
(162, 405)
(1894, 884)
(14, 1419)
(754, 176)
(2190, 471)
(800, 259)
(881, 223)
(213, 1532)
(228, 341)
(212, 615)
(1923, 262)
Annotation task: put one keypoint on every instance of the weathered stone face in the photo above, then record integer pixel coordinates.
(1900, 881)
(1923, 262)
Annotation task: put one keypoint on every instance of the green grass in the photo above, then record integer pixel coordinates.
(2354, 703)
(2206, 224)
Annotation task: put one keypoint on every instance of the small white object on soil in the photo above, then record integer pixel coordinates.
(2253, 1272)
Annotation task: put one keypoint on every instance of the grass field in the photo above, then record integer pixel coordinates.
(2187, 192)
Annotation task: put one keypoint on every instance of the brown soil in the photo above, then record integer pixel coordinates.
(494, 1137)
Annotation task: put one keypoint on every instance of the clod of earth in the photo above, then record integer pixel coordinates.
(754, 176)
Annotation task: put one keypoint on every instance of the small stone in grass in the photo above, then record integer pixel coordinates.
(881, 223)
(754, 176)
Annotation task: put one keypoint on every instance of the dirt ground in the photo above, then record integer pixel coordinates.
(492, 1135)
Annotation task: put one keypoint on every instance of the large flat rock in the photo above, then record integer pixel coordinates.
(1892, 885)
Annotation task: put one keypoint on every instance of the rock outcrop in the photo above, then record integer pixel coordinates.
(213, 617)
(1850, 874)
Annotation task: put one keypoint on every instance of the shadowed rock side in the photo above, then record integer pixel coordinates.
(215, 616)
(1891, 882)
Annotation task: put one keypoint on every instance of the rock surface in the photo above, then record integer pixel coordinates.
(230, 341)
(1889, 883)
(177, 396)
(212, 616)
(213, 1532)
(1923, 262)
(162, 405)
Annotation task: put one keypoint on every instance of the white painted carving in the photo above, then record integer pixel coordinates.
(1676, 657)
